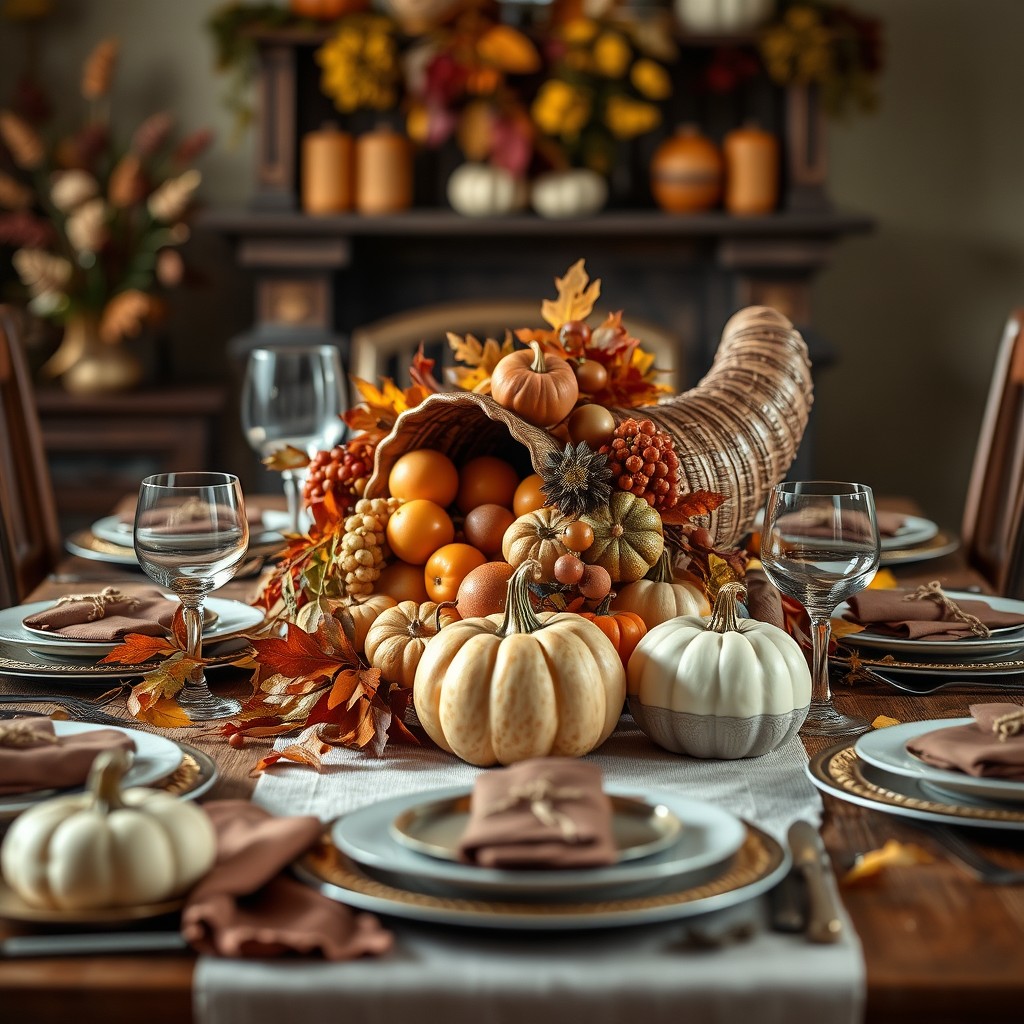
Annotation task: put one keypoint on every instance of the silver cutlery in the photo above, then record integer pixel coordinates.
(80, 710)
(91, 944)
(824, 923)
(969, 857)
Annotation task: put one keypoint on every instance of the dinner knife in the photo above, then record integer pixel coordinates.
(824, 923)
(91, 944)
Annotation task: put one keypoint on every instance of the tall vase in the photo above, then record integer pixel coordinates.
(85, 365)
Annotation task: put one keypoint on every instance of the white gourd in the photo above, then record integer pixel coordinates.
(478, 190)
(574, 193)
(720, 687)
(723, 16)
(107, 848)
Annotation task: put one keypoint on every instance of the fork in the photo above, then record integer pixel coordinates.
(967, 856)
(81, 710)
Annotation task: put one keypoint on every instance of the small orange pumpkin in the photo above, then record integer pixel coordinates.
(542, 389)
(326, 10)
(624, 629)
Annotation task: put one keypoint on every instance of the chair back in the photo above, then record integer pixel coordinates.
(993, 520)
(30, 542)
(386, 347)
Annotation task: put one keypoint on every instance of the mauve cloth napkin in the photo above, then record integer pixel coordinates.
(811, 524)
(125, 511)
(245, 907)
(134, 610)
(975, 749)
(886, 612)
(543, 813)
(44, 764)
(764, 602)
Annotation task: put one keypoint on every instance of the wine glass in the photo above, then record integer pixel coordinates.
(293, 395)
(820, 546)
(191, 535)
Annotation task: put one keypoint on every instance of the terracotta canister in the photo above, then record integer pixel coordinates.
(383, 172)
(686, 172)
(751, 171)
(327, 170)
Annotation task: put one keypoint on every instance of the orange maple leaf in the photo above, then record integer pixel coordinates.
(297, 655)
(691, 505)
(137, 648)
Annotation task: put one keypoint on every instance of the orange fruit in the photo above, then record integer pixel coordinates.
(484, 590)
(424, 474)
(417, 529)
(529, 497)
(486, 481)
(485, 527)
(447, 567)
(402, 582)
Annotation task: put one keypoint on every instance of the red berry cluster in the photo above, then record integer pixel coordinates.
(643, 461)
(344, 470)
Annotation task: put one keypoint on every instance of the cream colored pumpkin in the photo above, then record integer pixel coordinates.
(719, 687)
(363, 614)
(537, 536)
(478, 190)
(398, 637)
(578, 192)
(657, 598)
(628, 537)
(107, 848)
(497, 690)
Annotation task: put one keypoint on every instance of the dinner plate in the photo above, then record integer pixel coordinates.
(115, 530)
(434, 828)
(230, 618)
(86, 545)
(156, 757)
(709, 836)
(757, 866)
(939, 546)
(915, 530)
(839, 772)
(14, 908)
(886, 749)
(1003, 640)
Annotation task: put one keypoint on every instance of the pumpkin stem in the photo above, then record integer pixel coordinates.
(105, 779)
(661, 572)
(538, 365)
(440, 608)
(723, 616)
(605, 607)
(519, 614)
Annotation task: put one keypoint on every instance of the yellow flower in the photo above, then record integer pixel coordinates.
(650, 79)
(611, 55)
(579, 31)
(628, 118)
(360, 65)
(560, 109)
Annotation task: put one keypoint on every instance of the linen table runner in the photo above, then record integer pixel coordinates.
(439, 975)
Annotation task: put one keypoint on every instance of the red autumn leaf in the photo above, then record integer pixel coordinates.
(138, 648)
(696, 503)
(399, 699)
(297, 655)
(178, 628)
(421, 372)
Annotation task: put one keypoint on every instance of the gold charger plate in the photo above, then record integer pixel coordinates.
(841, 773)
(941, 544)
(757, 867)
(14, 908)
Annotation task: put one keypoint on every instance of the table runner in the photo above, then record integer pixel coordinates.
(461, 976)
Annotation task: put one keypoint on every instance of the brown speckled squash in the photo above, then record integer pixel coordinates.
(537, 535)
(628, 537)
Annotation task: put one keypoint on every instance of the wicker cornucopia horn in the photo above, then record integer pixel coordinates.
(736, 432)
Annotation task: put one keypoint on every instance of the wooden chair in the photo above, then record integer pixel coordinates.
(386, 346)
(993, 523)
(30, 542)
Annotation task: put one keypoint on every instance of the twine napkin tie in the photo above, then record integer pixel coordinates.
(951, 610)
(539, 795)
(99, 601)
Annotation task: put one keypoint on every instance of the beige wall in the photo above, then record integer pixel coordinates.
(915, 309)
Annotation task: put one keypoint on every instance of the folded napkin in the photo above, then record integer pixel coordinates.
(245, 907)
(818, 523)
(107, 616)
(543, 813)
(978, 748)
(33, 757)
(889, 613)
(764, 602)
(196, 521)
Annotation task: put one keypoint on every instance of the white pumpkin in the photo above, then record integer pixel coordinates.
(479, 190)
(658, 597)
(107, 848)
(575, 193)
(721, 687)
(720, 17)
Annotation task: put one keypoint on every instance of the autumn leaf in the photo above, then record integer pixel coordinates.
(577, 296)
(695, 503)
(479, 359)
(153, 699)
(162, 712)
(843, 627)
(720, 572)
(374, 417)
(421, 372)
(288, 457)
(892, 854)
(297, 654)
(308, 749)
(138, 648)
(508, 49)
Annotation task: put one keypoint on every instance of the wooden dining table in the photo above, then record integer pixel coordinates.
(939, 945)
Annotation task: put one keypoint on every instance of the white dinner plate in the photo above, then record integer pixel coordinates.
(114, 530)
(709, 836)
(232, 617)
(887, 749)
(1008, 638)
(85, 545)
(915, 530)
(155, 758)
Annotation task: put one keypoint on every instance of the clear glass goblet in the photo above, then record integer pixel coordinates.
(293, 395)
(820, 546)
(191, 535)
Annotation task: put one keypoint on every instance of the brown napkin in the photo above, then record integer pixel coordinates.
(887, 613)
(245, 907)
(543, 813)
(109, 616)
(764, 602)
(813, 524)
(30, 759)
(975, 749)
(125, 511)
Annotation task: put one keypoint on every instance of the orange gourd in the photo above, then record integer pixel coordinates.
(686, 172)
(624, 629)
(542, 389)
(326, 10)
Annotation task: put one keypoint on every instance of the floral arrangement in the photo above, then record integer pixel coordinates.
(96, 224)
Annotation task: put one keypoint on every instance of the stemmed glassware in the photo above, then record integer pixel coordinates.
(820, 546)
(293, 395)
(191, 535)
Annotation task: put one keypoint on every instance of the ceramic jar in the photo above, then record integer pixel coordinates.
(686, 172)
(383, 172)
(328, 168)
(751, 171)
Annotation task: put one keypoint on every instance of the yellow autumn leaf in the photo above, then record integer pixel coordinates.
(508, 49)
(843, 627)
(884, 722)
(480, 359)
(577, 296)
(884, 580)
(892, 855)
(719, 573)
(285, 458)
